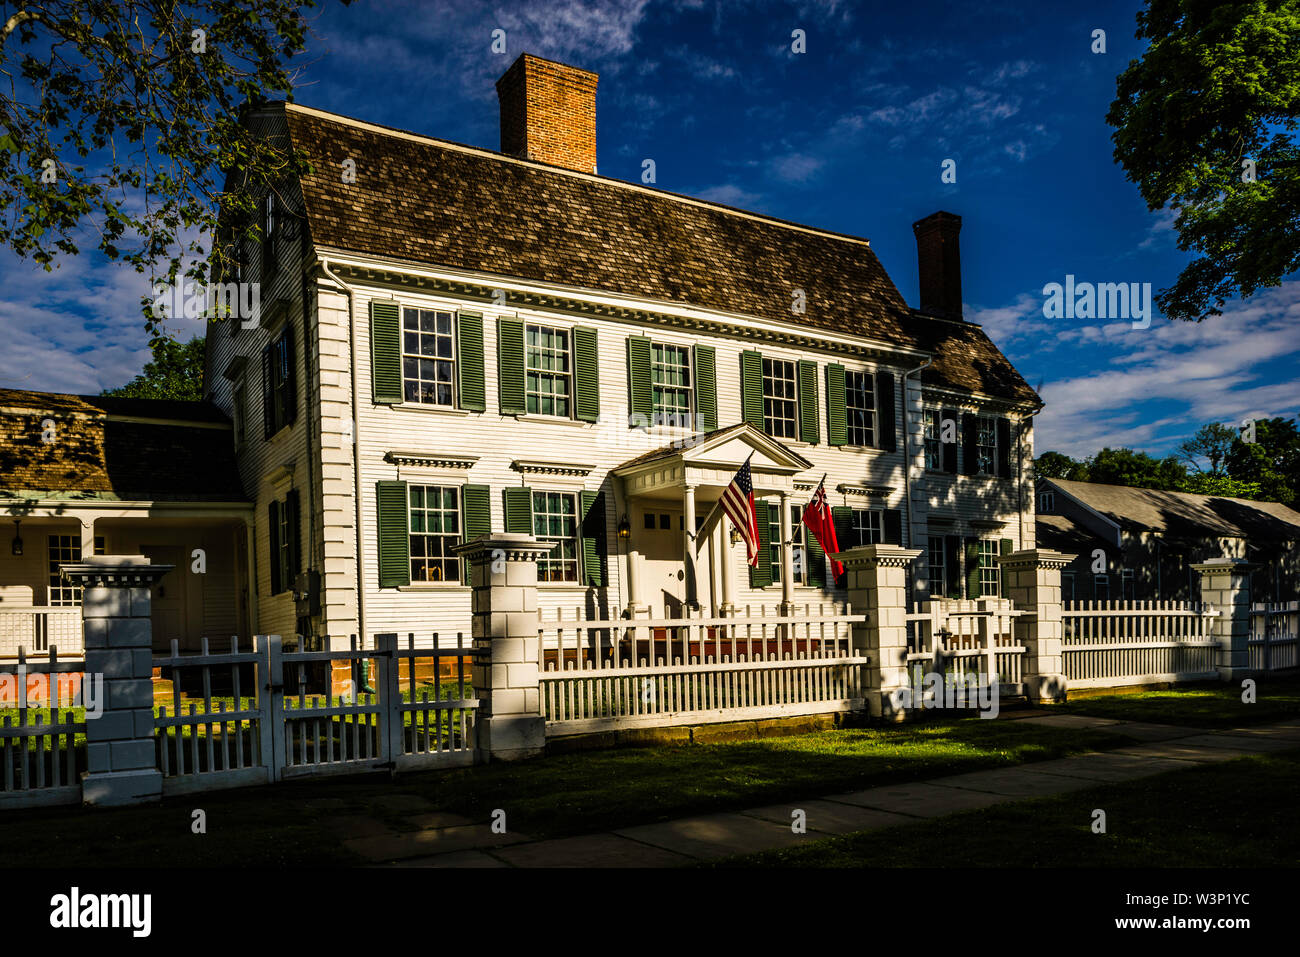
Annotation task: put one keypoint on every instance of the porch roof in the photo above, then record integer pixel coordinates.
(711, 459)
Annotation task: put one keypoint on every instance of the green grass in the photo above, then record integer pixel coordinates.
(289, 824)
(1197, 706)
(1234, 814)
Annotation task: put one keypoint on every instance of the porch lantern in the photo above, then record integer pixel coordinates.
(624, 528)
(16, 549)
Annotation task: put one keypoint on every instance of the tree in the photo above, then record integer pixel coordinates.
(1136, 469)
(122, 118)
(1057, 465)
(1272, 461)
(1223, 486)
(1211, 442)
(1203, 124)
(176, 372)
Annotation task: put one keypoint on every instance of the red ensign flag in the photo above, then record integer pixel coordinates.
(817, 516)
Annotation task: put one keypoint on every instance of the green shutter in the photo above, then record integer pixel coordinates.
(1004, 448)
(842, 519)
(706, 390)
(292, 518)
(837, 420)
(394, 535)
(760, 575)
(289, 390)
(751, 388)
(469, 362)
(1005, 547)
(892, 526)
(594, 541)
(814, 559)
(586, 374)
(640, 399)
(476, 517)
(886, 426)
(273, 521)
(810, 429)
(519, 510)
(510, 366)
(385, 352)
(972, 568)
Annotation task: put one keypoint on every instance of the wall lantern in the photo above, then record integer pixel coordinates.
(624, 528)
(735, 535)
(16, 548)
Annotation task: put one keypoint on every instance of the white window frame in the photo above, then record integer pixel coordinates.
(853, 434)
(774, 403)
(990, 571)
(546, 566)
(939, 581)
(986, 427)
(418, 356)
(932, 427)
(675, 416)
(448, 565)
(566, 375)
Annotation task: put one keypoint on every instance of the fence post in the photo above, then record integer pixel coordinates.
(877, 583)
(507, 649)
(1031, 579)
(1225, 584)
(121, 757)
(270, 704)
(390, 695)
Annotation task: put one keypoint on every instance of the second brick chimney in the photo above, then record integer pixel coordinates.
(548, 113)
(939, 263)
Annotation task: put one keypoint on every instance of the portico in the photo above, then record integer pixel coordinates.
(673, 562)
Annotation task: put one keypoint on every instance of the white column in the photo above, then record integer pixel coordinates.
(688, 543)
(787, 558)
(728, 568)
(87, 537)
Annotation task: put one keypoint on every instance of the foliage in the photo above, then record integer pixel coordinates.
(176, 372)
(1136, 470)
(1272, 461)
(1057, 465)
(1211, 442)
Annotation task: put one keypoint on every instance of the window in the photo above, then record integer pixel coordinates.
(547, 372)
(1067, 586)
(434, 514)
(670, 384)
(866, 527)
(798, 546)
(555, 519)
(65, 550)
(284, 544)
(986, 449)
(938, 566)
(1046, 502)
(1128, 584)
(270, 232)
(780, 405)
(1101, 587)
(279, 394)
(934, 440)
(990, 580)
(428, 357)
(860, 407)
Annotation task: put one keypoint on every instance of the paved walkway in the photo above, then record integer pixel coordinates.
(447, 840)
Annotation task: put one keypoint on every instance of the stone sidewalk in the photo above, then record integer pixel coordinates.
(447, 840)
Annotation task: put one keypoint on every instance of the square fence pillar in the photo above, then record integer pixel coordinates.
(1031, 579)
(507, 648)
(1225, 585)
(877, 583)
(115, 611)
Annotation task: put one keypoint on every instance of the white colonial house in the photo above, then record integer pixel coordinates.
(457, 341)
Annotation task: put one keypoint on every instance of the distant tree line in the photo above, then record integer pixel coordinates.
(1217, 460)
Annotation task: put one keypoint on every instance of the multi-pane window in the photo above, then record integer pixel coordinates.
(270, 231)
(428, 357)
(990, 580)
(555, 519)
(934, 439)
(670, 383)
(860, 407)
(780, 405)
(1128, 584)
(1067, 586)
(547, 370)
(286, 535)
(1047, 502)
(986, 450)
(938, 566)
(65, 550)
(279, 396)
(434, 514)
(798, 547)
(1101, 587)
(866, 527)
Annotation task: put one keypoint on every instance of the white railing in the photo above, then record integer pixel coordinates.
(1110, 643)
(965, 637)
(611, 673)
(38, 627)
(1273, 632)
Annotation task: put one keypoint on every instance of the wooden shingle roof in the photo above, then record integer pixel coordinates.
(429, 201)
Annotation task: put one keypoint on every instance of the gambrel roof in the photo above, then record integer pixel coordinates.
(424, 200)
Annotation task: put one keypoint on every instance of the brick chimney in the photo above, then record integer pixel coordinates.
(939, 263)
(548, 113)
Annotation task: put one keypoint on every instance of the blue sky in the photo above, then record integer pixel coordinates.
(849, 136)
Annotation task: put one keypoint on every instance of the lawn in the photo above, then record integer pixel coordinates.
(289, 824)
(1197, 706)
(1234, 814)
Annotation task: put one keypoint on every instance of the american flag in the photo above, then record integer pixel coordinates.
(738, 503)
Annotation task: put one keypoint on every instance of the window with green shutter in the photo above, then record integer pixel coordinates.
(476, 509)
(518, 510)
(814, 557)
(510, 366)
(706, 389)
(972, 550)
(586, 373)
(809, 409)
(469, 362)
(385, 352)
(594, 542)
(392, 534)
(837, 431)
(751, 386)
(760, 575)
(640, 402)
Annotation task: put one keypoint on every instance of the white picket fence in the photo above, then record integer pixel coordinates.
(965, 637)
(41, 761)
(611, 673)
(1273, 632)
(1113, 643)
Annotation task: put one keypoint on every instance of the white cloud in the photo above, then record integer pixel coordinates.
(728, 195)
(796, 167)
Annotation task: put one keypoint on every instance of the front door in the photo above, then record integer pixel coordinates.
(167, 600)
(659, 540)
